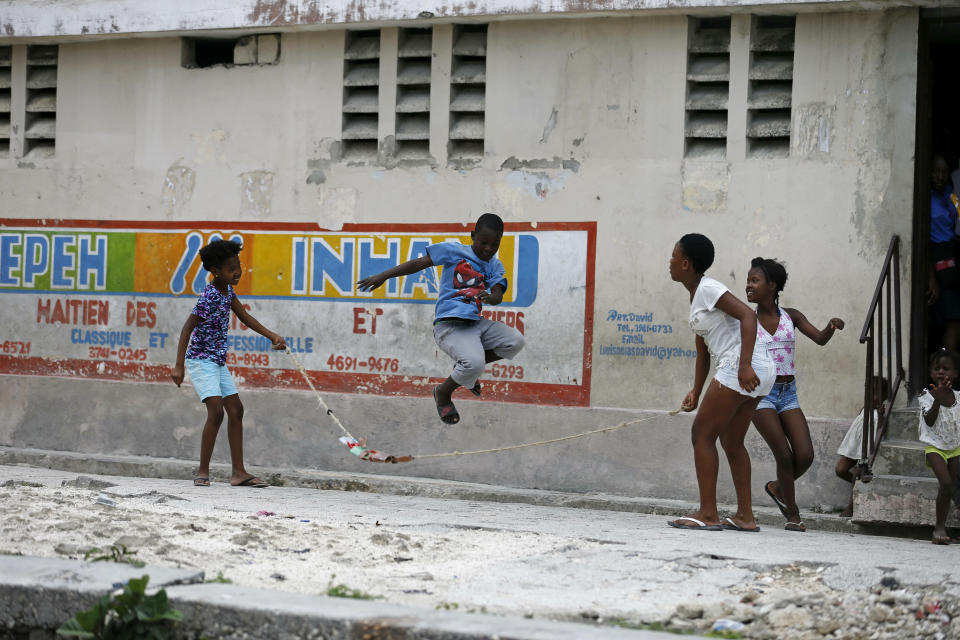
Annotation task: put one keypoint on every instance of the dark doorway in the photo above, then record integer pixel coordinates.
(938, 132)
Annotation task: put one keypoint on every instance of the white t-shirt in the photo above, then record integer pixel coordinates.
(945, 432)
(719, 330)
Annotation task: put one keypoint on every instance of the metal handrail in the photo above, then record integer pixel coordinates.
(880, 339)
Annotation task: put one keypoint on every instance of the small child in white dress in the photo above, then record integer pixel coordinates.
(939, 429)
(851, 448)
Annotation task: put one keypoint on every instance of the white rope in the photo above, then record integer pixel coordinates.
(323, 404)
(452, 454)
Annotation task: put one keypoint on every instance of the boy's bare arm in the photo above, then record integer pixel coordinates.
(188, 327)
(410, 266)
(494, 296)
(244, 316)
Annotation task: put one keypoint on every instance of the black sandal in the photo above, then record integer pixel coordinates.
(448, 413)
(780, 503)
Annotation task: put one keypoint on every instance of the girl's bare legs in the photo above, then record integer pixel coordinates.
(945, 472)
(739, 459)
(209, 436)
(719, 407)
(788, 437)
(234, 410)
(844, 471)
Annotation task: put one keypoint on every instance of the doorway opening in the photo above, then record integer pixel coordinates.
(937, 136)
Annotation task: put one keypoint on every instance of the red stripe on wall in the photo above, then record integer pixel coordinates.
(325, 381)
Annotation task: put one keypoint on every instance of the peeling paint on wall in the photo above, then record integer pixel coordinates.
(178, 185)
(539, 184)
(281, 12)
(513, 163)
(705, 186)
(338, 206)
(815, 129)
(256, 193)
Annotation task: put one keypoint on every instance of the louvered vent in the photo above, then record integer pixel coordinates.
(361, 94)
(708, 87)
(468, 81)
(414, 57)
(771, 86)
(41, 111)
(5, 83)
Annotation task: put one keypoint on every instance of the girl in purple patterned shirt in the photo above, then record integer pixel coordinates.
(205, 359)
(778, 417)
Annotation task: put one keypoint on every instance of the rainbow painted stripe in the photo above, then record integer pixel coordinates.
(277, 264)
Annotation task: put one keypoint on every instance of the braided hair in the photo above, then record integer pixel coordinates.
(774, 272)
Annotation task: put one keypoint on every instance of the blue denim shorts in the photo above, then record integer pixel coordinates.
(210, 379)
(783, 397)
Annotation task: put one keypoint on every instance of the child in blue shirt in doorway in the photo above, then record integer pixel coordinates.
(472, 276)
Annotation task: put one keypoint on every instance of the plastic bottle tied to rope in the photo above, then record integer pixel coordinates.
(469, 283)
(359, 449)
(357, 446)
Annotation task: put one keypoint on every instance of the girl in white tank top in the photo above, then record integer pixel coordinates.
(726, 329)
(778, 417)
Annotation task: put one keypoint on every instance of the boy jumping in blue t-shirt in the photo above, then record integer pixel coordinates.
(472, 276)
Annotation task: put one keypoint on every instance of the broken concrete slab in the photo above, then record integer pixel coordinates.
(41, 593)
(219, 610)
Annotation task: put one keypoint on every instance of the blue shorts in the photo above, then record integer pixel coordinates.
(783, 397)
(210, 379)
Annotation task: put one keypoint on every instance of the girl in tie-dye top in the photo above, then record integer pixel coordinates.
(205, 359)
(778, 417)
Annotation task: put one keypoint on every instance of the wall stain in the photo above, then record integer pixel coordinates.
(548, 128)
(256, 193)
(282, 12)
(513, 164)
(177, 190)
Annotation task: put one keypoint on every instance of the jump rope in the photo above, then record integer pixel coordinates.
(470, 285)
(358, 446)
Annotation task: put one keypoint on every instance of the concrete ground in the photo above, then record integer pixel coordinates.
(607, 568)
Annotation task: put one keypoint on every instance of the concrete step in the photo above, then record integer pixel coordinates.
(892, 499)
(901, 458)
(903, 424)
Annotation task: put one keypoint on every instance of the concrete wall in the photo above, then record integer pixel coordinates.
(584, 122)
(107, 18)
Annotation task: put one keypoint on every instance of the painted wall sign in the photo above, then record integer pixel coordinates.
(639, 335)
(107, 299)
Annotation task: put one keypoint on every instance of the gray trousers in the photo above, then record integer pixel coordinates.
(466, 343)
